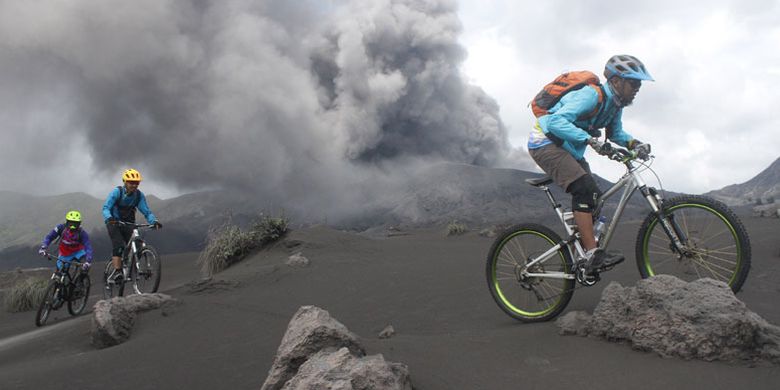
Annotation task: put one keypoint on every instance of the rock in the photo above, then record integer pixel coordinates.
(139, 303)
(310, 330)
(113, 319)
(488, 232)
(298, 261)
(575, 322)
(111, 323)
(387, 332)
(697, 320)
(341, 370)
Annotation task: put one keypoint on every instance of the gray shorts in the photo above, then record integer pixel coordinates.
(559, 164)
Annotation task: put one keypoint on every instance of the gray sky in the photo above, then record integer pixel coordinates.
(325, 103)
(709, 116)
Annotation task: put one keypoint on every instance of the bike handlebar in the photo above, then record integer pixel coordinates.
(620, 154)
(55, 258)
(134, 225)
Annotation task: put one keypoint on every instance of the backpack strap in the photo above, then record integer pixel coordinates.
(122, 193)
(599, 105)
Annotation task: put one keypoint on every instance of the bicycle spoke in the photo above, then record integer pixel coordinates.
(710, 255)
(669, 258)
(520, 250)
(708, 264)
(705, 265)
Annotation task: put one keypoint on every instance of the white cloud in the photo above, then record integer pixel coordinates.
(709, 116)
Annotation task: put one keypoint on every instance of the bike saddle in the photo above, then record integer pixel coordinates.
(539, 181)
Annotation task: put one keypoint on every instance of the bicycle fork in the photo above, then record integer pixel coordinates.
(668, 224)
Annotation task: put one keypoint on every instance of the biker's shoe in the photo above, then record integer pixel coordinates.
(602, 260)
(115, 276)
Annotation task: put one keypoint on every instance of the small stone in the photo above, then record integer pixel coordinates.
(298, 261)
(387, 332)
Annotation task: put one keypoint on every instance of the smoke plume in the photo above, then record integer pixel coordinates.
(304, 103)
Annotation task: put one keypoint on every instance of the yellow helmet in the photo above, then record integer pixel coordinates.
(73, 216)
(131, 175)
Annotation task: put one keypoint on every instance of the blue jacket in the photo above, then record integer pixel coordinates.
(563, 123)
(111, 207)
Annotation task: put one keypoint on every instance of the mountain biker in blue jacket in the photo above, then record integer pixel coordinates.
(74, 242)
(120, 206)
(558, 141)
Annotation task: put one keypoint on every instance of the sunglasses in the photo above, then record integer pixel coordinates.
(634, 83)
(133, 183)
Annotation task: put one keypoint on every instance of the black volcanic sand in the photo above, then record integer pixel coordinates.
(431, 288)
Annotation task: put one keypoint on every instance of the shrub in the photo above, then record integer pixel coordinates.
(228, 244)
(25, 295)
(269, 229)
(455, 228)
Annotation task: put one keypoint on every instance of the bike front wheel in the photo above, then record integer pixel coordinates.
(524, 297)
(47, 305)
(79, 294)
(714, 242)
(146, 271)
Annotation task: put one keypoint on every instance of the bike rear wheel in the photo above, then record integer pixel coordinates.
(529, 299)
(146, 271)
(716, 244)
(47, 304)
(79, 294)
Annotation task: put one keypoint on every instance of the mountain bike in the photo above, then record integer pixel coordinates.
(141, 265)
(70, 284)
(531, 271)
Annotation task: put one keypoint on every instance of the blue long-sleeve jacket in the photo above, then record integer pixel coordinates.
(119, 198)
(71, 241)
(562, 121)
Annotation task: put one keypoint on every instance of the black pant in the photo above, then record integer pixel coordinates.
(119, 235)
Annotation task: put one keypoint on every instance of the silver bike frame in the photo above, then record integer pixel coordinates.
(630, 182)
(133, 252)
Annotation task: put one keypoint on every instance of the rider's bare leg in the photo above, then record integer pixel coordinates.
(117, 261)
(584, 223)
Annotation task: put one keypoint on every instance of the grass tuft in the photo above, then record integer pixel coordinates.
(228, 244)
(456, 228)
(25, 295)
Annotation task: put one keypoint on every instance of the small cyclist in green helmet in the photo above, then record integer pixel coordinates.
(74, 242)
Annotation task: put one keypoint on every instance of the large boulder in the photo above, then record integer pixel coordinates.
(318, 352)
(111, 323)
(692, 320)
(310, 330)
(341, 370)
(113, 319)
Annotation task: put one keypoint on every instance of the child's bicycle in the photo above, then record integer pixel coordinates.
(71, 285)
(531, 271)
(140, 265)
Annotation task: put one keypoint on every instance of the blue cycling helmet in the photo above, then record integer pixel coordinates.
(627, 67)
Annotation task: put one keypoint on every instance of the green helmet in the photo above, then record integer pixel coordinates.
(73, 216)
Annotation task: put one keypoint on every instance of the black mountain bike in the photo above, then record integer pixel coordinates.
(140, 265)
(531, 271)
(70, 284)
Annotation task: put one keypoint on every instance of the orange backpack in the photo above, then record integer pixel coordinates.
(563, 84)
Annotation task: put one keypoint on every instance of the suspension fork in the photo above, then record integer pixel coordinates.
(667, 221)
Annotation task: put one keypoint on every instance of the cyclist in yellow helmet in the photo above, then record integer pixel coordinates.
(120, 206)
